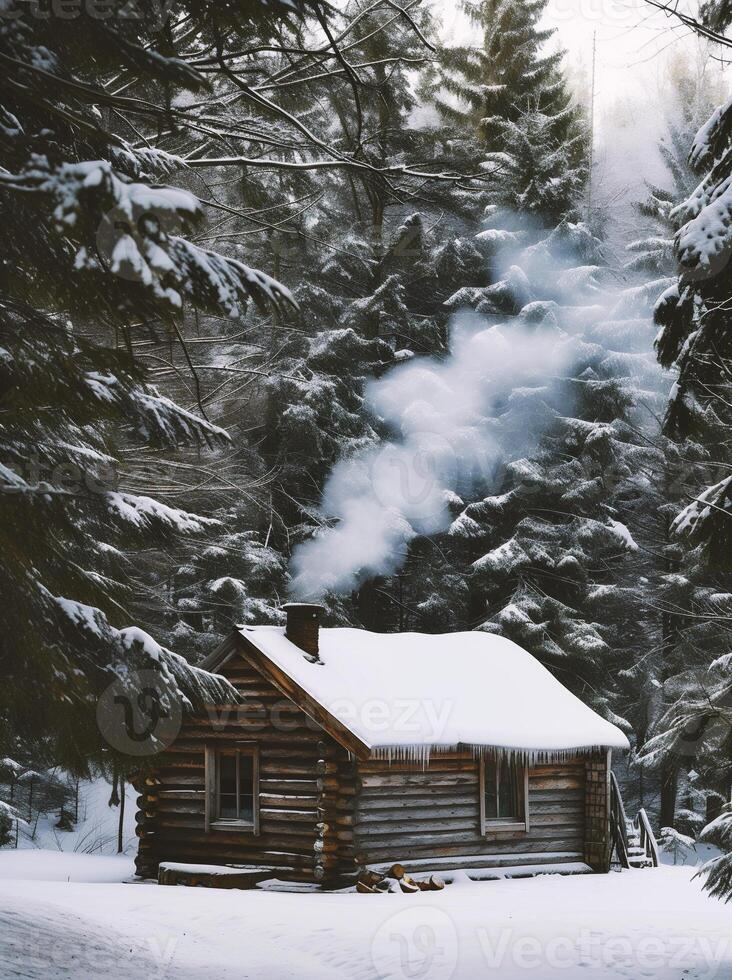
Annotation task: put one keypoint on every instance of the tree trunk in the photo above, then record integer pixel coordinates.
(713, 808)
(641, 788)
(369, 605)
(120, 825)
(669, 785)
(114, 795)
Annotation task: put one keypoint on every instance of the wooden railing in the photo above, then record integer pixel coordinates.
(618, 822)
(644, 839)
(647, 837)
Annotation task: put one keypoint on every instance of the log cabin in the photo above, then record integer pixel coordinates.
(350, 750)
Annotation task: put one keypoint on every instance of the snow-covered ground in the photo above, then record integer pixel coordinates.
(634, 924)
(69, 908)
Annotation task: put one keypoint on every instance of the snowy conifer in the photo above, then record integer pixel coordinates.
(97, 253)
(478, 85)
(694, 341)
(679, 846)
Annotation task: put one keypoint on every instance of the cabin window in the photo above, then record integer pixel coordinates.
(232, 787)
(504, 795)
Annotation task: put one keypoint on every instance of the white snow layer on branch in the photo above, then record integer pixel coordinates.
(10, 765)
(716, 497)
(132, 200)
(132, 649)
(705, 242)
(706, 136)
(139, 238)
(145, 512)
(12, 813)
(170, 418)
(623, 534)
(144, 160)
(158, 417)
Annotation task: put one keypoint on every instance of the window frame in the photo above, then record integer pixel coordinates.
(213, 752)
(492, 825)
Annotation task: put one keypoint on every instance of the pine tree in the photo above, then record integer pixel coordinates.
(552, 562)
(477, 87)
(361, 261)
(695, 89)
(95, 255)
(678, 845)
(691, 99)
(7, 815)
(555, 559)
(508, 109)
(543, 168)
(694, 340)
(507, 105)
(718, 870)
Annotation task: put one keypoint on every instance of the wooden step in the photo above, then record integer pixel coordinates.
(520, 871)
(468, 862)
(640, 862)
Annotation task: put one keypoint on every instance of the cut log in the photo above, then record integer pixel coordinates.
(371, 878)
(433, 884)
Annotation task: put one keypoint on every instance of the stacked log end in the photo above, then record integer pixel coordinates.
(336, 783)
(146, 786)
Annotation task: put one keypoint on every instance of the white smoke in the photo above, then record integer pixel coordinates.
(453, 420)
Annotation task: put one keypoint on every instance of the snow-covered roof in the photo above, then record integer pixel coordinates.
(416, 691)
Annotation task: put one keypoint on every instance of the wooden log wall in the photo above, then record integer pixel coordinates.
(406, 813)
(299, 788)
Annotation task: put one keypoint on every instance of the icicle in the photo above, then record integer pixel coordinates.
(422, 753)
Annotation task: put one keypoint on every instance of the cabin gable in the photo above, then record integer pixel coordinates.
(299, 768)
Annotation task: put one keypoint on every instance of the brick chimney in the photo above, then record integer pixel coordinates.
(303, 626)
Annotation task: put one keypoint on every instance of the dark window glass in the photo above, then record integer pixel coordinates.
(491, 798)
(246, 788)
(236, 787)
(227, 787)
(507, 790)
(501, 800)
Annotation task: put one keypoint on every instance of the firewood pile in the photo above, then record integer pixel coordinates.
(396, 879)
